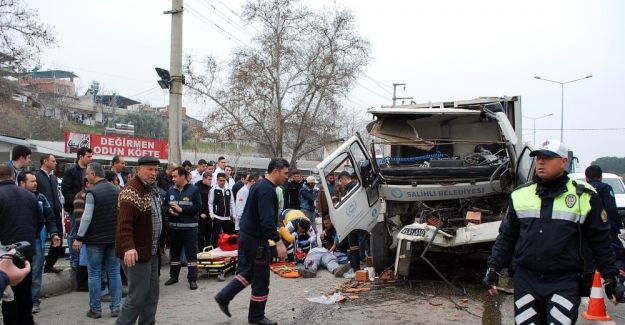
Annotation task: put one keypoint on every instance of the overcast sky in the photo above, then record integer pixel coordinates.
(442, 50)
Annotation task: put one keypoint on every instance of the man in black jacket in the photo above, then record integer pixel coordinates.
(258, 225)
(18, 217)
(205, 227)
(97, 231)
(72, 184)
(163, 179)
(594, 177)
(291, 190)
(48, 185)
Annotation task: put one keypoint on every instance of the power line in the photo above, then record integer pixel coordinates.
(379, 84)
(223, 16)
(237, 15)
(371, 91)
(212, 24)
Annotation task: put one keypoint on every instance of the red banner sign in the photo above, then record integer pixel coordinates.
(116, 145)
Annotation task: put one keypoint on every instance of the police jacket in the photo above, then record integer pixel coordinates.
(260, 216)
(307, 197)
(221, 203)
(606, 194)
(189, 200)
(541, 231)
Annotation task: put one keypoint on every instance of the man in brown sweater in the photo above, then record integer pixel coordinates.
(79, 208)
(139, 227)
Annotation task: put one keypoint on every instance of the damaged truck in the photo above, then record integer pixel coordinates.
(434, 179)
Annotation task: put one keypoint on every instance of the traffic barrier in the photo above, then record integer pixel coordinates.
(596, 305)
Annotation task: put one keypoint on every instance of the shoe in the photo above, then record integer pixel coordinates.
(115, 313)
(53, 270)
(94, 314)
(223, 306)
(306, 273)
(106, 298)
(192, 285)
(264, 321)
(221, 277)
(36, 308)
(171, 281)
(349, 274)
(342, 269)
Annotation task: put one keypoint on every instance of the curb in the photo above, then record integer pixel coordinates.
(53, 284)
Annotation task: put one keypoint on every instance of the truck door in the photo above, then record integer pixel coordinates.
(359, 207)
(525, 166)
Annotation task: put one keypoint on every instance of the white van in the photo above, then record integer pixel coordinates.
(617, 185)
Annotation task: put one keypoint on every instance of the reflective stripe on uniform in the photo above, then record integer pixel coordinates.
(524, 301)
(568, 216)
(259, 299)
(565, 303)
(183, 225)
(524, 316)
(528, 214)
(222, 218)
(241, 279)
(559, 316)
(185, 203)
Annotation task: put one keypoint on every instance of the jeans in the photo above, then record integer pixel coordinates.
(37, 270)
(102, 259)
(73, 256)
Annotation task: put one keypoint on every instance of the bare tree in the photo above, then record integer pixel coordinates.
(22, 36)
(283, 91)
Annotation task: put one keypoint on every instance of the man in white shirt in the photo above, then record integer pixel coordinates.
(196, 175)
(229, 181)
(220, 168)
(242, 196)
(221, 209)
(117, 165)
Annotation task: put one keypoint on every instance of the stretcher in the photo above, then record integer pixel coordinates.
(216, 261)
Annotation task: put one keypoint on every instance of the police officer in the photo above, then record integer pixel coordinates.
(183, 205)
(547, 220)
(594, 175)
(257, 226)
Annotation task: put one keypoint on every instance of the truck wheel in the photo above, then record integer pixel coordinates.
(380, 241)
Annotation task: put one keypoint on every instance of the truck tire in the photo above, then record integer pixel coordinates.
(380, 252)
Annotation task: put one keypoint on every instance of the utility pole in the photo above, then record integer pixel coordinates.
(395, 98)
(175, 89)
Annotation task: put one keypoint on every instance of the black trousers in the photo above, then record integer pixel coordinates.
(221, 226)
(354, 249)
(252, 268)
(545, 299)
(179, 240)
(19, 311)
(204, 232)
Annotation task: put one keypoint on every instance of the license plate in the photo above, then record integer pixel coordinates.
(417, 232)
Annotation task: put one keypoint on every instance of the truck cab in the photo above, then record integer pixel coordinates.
(435, 177)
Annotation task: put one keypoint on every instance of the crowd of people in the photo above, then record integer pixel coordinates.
(121, 225)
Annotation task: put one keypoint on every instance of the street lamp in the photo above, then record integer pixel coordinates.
(562, 99)
(534, 119)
